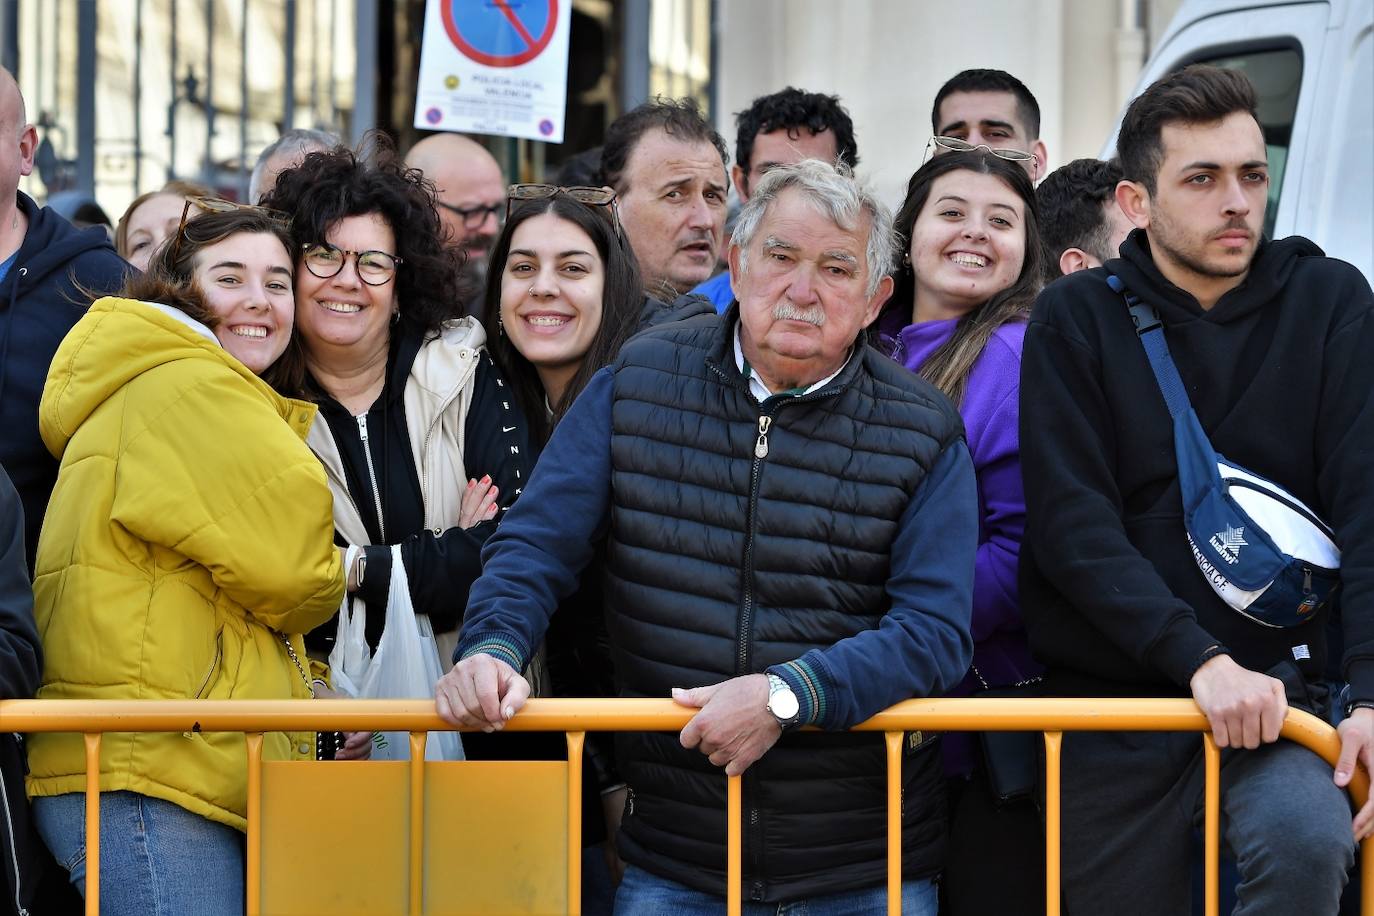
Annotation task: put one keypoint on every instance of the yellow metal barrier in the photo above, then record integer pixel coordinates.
(576, 717)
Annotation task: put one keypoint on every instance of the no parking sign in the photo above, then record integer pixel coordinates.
(495, 67)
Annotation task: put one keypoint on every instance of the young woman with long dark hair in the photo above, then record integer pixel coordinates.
(970, 268)
(563, 294)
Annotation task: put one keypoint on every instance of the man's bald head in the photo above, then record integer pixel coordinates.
(12, 109)
(18, 139)
(466, 178)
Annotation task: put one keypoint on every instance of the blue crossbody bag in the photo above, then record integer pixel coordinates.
(1265, 553)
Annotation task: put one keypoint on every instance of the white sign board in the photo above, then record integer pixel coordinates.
(495, 67)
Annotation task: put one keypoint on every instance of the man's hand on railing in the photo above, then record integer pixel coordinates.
(480, 692)
(1357, 747)
(1245, 708)
(734, 727)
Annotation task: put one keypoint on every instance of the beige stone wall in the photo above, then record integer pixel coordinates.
(887, 58)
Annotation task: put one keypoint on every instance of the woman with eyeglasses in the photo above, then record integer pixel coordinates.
(563, 294)
(187, 545)
(970, 261)
(420, 438)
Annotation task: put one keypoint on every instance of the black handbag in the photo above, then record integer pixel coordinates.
(1010, 758)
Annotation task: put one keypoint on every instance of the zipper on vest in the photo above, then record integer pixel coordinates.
(14, 851)
(372, 476)
(746, 611)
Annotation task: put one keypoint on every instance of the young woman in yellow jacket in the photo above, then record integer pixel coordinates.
(188, 543)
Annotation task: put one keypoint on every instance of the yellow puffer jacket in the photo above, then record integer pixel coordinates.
(189, 528)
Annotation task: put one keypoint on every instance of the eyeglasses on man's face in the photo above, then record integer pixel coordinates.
(375, 268)
(955, 145)
(472, 217)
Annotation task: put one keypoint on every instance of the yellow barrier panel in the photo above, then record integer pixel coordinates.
(526, 792)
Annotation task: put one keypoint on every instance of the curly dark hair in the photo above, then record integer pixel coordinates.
(791, 110)
(622, 296)
(330, 186)
(1073, 202)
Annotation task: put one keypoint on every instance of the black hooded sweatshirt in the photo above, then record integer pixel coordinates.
(1280, 372)
(40, 300)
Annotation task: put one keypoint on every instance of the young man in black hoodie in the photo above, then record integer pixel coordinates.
(1272, 340)
(46, 265)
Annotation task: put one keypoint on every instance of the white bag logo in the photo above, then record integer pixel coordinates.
(1229, 542)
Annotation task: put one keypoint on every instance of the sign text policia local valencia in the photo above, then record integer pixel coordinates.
(495, 67)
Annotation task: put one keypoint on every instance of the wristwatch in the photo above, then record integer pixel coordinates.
(782, 702)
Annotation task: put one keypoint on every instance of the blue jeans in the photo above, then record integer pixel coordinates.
(643, 894)
(156, 858)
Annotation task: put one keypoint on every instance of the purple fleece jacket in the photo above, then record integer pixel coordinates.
(1001, 654)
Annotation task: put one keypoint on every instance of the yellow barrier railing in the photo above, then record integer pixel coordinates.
(1053, 717)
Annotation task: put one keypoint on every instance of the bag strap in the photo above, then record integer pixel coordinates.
(1150, 329)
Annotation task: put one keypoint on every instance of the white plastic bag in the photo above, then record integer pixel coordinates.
(405, 666)
(350, 657)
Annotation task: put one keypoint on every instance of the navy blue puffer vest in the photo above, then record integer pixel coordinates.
(743, 535)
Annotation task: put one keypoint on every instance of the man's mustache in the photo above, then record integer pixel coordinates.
(786, 311)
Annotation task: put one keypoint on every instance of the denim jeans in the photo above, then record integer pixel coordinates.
(643, 894)
(156, 858)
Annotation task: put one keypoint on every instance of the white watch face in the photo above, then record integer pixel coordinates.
(782, 703)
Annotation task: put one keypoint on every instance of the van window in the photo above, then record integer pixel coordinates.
(1277, 76)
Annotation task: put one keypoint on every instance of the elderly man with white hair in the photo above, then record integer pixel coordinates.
(790, 524)
(286, 152)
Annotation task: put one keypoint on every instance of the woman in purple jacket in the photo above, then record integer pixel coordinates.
(970, 268)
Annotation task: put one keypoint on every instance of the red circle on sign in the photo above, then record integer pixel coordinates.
(500, 60)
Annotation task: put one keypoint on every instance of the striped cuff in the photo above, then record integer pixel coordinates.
(813, 694)
(494, 644)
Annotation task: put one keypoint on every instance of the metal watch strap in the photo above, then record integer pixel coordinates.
(777, 685)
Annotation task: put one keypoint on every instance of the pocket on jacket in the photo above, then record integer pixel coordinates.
(216, 666)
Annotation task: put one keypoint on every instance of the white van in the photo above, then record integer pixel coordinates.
(1313, 66)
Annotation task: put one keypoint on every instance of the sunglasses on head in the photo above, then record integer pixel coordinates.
(955, 145)
(218, 205)
(592, 197)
